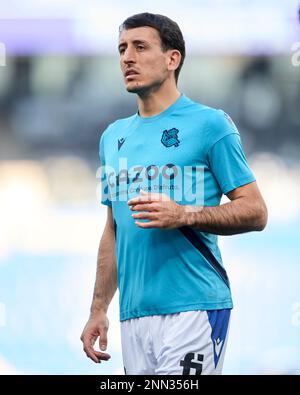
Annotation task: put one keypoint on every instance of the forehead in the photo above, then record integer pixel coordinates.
(145, 33)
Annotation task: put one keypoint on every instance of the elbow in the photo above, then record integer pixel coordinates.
(261, 217)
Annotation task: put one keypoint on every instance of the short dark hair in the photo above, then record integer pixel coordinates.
(170, 34)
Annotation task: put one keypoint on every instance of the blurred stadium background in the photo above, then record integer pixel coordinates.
(60, 86)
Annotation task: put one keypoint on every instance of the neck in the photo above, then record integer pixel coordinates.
(156, 101)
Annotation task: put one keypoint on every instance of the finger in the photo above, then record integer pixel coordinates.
(90, 352)
(155, 196)
(144, 207)
(139, 199)
(96, 356)
(150, 224)
(149, 199)
(103, 356)
(146, 197)
(103, 339)
(144, 215)
(88, 343)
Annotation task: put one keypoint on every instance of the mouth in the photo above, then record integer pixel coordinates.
(131, 74)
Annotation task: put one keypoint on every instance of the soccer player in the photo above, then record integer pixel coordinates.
(165, 169)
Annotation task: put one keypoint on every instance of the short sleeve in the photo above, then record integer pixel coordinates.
(229, 164)
(105, 195)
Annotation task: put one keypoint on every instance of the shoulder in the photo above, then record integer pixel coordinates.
(218, 119)
(193, 108)
(214, 123)
(121, 122)
(217, 125)
(212, 116)
(209, 117)
(117, 125)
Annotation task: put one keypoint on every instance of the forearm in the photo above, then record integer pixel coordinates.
(106, 276)
(236, 216)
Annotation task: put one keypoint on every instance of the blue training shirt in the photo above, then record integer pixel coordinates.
(193, 154)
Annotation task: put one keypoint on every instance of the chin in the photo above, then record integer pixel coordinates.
(135, 88)
(143, 89)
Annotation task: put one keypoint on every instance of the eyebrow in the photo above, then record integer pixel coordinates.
(134, 42)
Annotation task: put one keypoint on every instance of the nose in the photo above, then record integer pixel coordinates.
(129, 55)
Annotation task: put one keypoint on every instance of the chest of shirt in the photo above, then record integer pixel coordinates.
(168, 157)
(162, 144)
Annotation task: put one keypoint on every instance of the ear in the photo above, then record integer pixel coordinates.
(173, 59)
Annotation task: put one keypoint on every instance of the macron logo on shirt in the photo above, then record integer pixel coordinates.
(120, 143)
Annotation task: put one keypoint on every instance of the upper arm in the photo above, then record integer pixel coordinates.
(229, 164)
(105, 193)
(249, 191)
(110, 219)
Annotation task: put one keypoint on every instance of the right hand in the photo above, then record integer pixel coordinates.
(97, 326)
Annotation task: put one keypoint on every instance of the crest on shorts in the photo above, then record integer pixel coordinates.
(169, 137)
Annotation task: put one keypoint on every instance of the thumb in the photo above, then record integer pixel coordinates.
(103, 339)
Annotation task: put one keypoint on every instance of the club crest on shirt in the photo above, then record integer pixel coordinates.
(170, 138)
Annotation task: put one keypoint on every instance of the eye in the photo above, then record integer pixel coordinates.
(122, 49)
(140, 47)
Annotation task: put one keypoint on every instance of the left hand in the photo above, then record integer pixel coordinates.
(159, 208)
